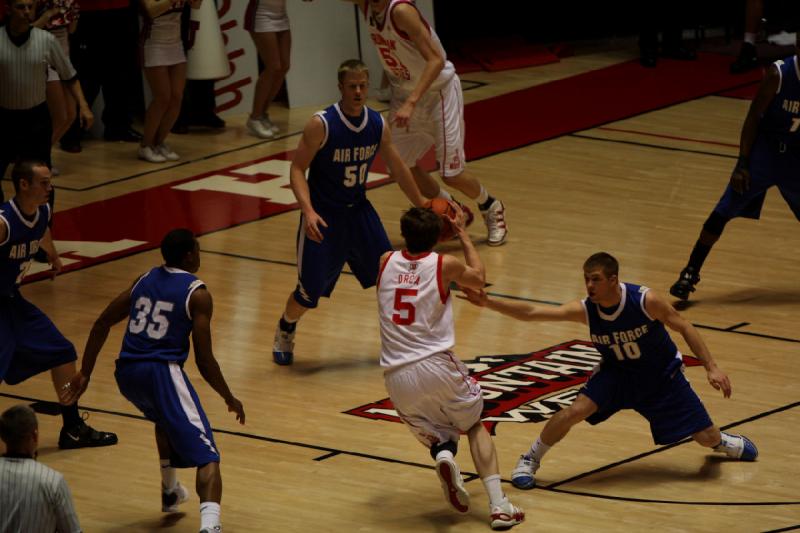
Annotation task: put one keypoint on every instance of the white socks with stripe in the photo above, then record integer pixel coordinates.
(482, 196)
(538, 450)
(169, 476)
(730, 445)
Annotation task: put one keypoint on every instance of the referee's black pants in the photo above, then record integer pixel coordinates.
(25, 134)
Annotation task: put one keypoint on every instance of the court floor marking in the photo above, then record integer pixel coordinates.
(650, 145)
(469, 476)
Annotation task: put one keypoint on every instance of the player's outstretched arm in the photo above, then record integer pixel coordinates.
(658, 308)
(740, 178)
(202, 307)
(117, 311)
(569, 312)
(307, 148)
(398, 169)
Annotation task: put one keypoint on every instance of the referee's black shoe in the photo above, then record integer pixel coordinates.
(84, 436)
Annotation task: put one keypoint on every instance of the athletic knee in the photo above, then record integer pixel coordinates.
(715, 224)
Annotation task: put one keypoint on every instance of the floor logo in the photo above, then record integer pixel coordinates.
(521, 388)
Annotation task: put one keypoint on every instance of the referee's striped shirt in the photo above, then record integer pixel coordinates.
(34, 498)
(23, 68)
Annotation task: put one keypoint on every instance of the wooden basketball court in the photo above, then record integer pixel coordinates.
(639, 188)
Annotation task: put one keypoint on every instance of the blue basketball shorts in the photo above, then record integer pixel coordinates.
(768, 167)
(162, 392)
(29, 341)
(354, 236)
(670, 405)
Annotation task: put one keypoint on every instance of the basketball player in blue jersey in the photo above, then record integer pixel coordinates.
(769, 155)
(338, 224)
(29, 342)
(641, 368)
(163, 308)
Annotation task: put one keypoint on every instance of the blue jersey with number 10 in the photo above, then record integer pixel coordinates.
(629, 338)
(160, 322)
(337, 175)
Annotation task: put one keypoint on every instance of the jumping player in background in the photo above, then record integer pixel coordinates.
(428, 385)
(29, 342)
(338, 224)
(163, 308)
(427, 105)
(641, 369)
(769, 155)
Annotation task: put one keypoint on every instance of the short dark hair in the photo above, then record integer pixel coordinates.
(176, 244)
(351, 65)
(602, 260)
(16, 424)
(24, 170)
(420, 228)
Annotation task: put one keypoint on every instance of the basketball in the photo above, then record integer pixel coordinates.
(442, 207)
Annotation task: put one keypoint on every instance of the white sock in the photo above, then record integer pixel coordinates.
(482, 196)
(444, 194)
(750, 38)
(209, 515)
(445, 454)
(169, 475)
(289, 320)
(493, 489)
(538, 450)
(730, 445)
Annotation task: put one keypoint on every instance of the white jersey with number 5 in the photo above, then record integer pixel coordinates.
(401, 59)
(415, 309)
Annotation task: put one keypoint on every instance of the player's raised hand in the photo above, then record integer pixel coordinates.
(720, 381)
(459, 218)
(740, 179)
(313, 223)
(235, 406)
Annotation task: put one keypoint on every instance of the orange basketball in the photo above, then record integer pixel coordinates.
(442, 207)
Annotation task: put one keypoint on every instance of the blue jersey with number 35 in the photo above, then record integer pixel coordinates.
(627, 337)
(337, 175)
(160, 322)
(21, 243)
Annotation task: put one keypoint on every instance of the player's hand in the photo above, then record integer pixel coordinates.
(73, 389)
(87, 117)
(459, 221)
(476, 297)
(402, 117)
(719, 380)
(313, 223)
(235, 406)
(740, 179)
(55, 267)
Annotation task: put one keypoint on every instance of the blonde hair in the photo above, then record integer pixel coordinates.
(351, 65)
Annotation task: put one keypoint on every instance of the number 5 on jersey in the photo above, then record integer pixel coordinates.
(355, 174)
(156, 324)
(404, 307)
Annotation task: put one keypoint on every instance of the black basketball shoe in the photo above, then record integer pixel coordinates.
(84, 436)
(685, 284)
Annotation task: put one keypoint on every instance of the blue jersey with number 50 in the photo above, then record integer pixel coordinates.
(21, 243)
(627, 337)
(337, 175)
(160, 322)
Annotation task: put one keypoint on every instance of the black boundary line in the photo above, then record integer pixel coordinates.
(553, 486)
(788, 528)
(737, 326)
(470, 476)
(649, 145)
(730, 329)
(617, 119)
(474, 85)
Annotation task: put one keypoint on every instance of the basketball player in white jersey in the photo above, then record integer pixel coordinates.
(427, 106)
(428, 385)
